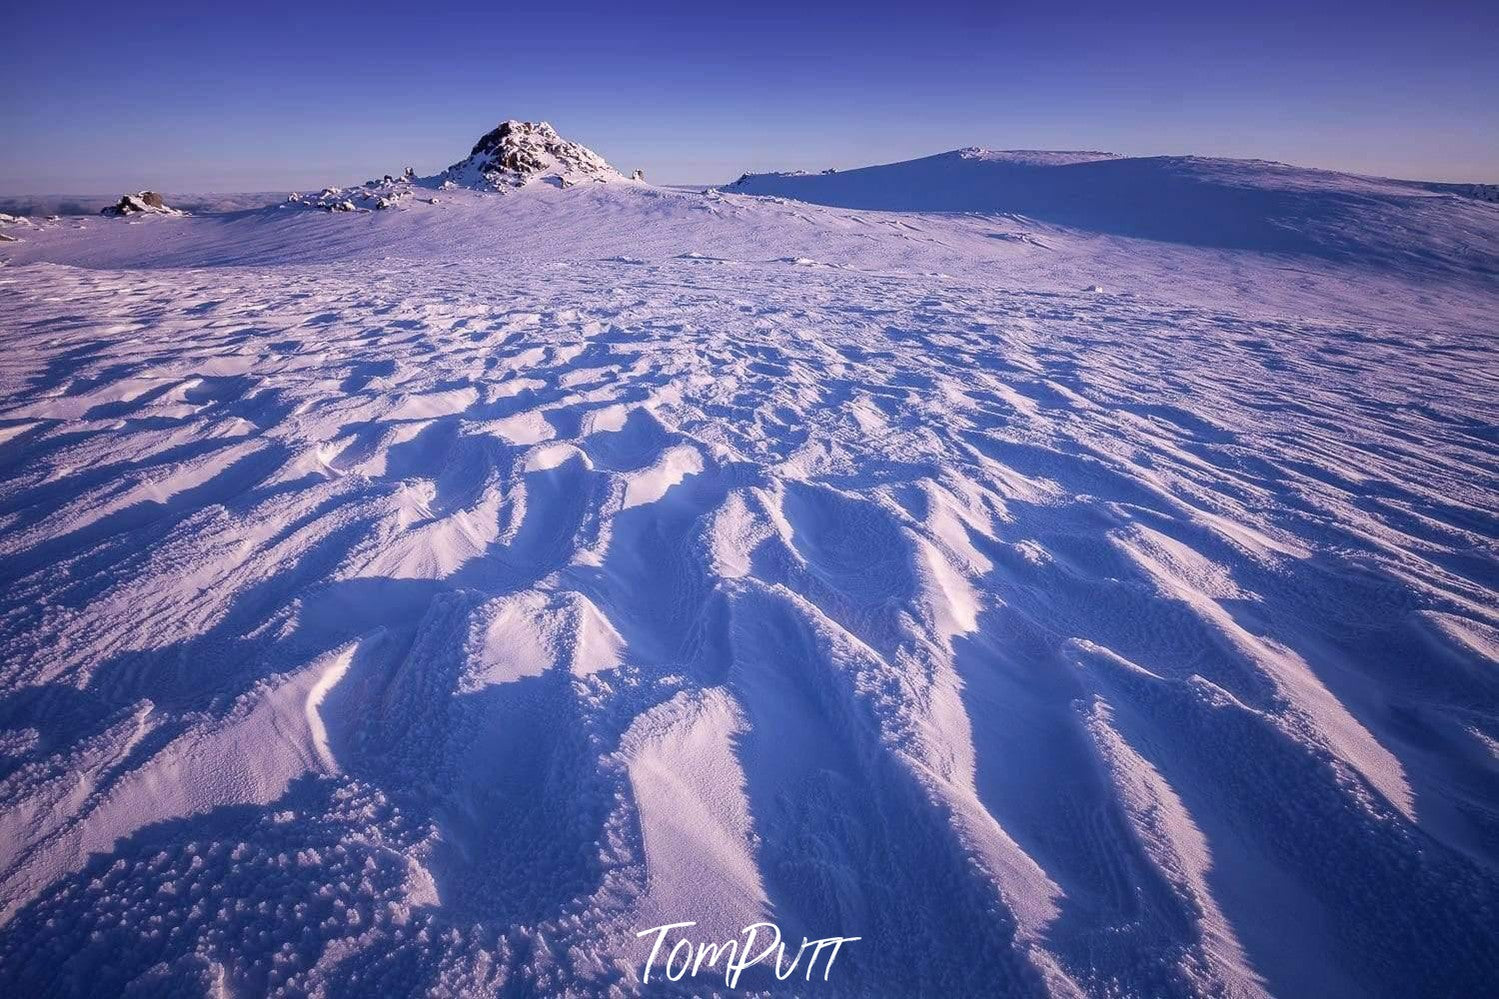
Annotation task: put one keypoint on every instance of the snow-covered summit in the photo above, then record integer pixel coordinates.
(518, 152)
(511, 155)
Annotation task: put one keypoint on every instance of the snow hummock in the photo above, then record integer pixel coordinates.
(16, 221)
(1236, 204)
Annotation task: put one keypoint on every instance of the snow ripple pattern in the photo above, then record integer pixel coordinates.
(376, 629)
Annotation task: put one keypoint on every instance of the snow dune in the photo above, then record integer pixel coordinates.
(424, 602)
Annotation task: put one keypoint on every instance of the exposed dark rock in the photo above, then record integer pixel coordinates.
(144, 202)
(517, 151)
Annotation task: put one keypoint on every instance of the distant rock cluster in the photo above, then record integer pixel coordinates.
(375, 195)
(142, 203)
(513, 154)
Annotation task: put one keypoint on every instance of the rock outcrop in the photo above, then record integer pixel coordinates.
(518, 152)
(511, 155)
(142, 203)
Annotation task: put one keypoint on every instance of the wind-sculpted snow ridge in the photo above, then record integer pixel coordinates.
(1232, 204)
(427, 602)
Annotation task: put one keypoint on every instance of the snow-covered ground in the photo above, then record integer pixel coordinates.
(1078, 579)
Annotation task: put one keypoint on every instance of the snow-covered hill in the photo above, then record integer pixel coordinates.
(426, 601)
(1232, 204)
(511, 156)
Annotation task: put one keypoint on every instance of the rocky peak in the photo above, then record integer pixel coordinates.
(517, 152)
(142, 203)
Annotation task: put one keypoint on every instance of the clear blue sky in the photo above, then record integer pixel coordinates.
(100, 97)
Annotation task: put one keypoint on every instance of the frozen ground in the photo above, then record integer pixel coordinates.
(424, 601)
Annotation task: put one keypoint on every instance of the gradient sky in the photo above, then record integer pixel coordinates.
(103, 97)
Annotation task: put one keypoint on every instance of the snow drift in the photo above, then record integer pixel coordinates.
(1233, 204)
(424, 601)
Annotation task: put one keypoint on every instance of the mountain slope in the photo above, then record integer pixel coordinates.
(1233, 204)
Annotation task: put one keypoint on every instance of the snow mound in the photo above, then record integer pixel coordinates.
(12, 220)
(518, 152)
(1231, 204)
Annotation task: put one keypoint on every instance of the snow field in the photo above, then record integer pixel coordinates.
(383, 621)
